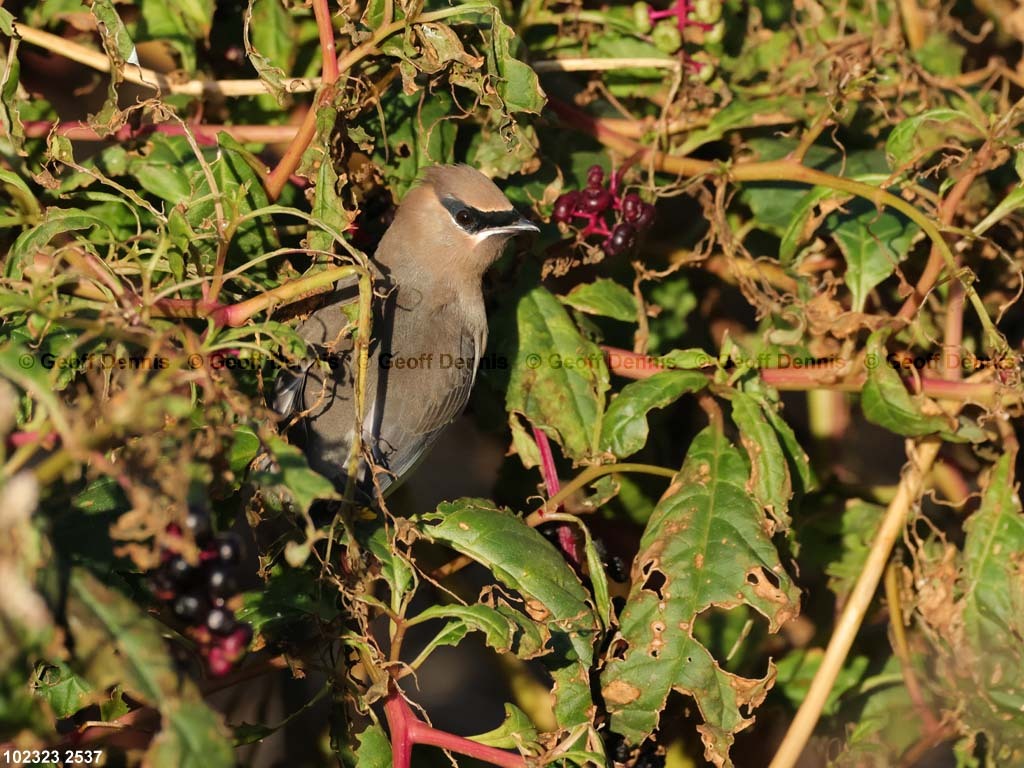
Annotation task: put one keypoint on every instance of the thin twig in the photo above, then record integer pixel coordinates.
(922, 456)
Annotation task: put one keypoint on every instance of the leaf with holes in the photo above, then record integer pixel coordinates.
(705, 545)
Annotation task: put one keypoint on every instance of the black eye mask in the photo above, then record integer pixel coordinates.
(472, 220)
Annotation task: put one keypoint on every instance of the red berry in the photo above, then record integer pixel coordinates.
(595, 177)
(645, 218)
(631, 206)
(565, 207)
(622, 239)
(235, 644)
(595, 200)
(217, 662)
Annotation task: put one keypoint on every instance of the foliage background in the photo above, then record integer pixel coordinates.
(832, 285)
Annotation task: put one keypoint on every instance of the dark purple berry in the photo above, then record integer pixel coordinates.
(645, 218)
(228, 548)
(565, 207)
(221, 581)
(198, 522)
(595, 177)
(189, 608)
(595, 200)
(622, 239)
(180, 571)
(631, 206)
(616, 569)
(220, 621)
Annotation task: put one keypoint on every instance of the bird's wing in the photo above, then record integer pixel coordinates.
(322, 330)
(413, 424)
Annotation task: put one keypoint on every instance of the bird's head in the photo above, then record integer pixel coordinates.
(455, 220)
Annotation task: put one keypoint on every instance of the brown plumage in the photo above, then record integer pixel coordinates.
(428, 333)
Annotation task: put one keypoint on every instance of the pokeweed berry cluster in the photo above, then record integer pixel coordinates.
(605, 212)
(198, 594)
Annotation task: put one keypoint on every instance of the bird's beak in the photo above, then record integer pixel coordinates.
(518, 227)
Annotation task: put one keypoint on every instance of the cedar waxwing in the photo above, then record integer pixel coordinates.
(428, 332)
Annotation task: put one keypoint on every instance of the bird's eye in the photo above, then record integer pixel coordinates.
(464, 218)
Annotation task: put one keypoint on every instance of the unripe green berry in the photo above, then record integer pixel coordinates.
(707, 67)
(708, 11)
(642, 17)
(714, 35)
(666, 37)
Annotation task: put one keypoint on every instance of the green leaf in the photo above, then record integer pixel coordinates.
(498, 629)
(603, 297)
(705, 545)
(65, 691)
(119, 49)
(56, 221)
(10, 109)
(294, 477)
(989, 658)
(180, 23)
(515, 732)
(269, 34)
(624, 430)
(797, 668)
(559, 379)
(1012, 202)
(289, 598)
(940, 55)
(770, 480)
(873, 242)
(116, 641)
(374, 750)
(519, 556)
(739, 113)
(522, 559)
(885, 399)
(192, 737)
(922, 135)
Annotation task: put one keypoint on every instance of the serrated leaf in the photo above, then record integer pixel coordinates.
(624, 429)
(65, 691)
(558, 379)
(522, 559)
(770, 480)
(519, 556)
(704, 545)
(887, 403)
(603, 297)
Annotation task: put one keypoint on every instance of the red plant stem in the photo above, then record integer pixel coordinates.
(276, 180)
(407, 730)
(547, 462)
(632, 365)
(566, 538)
